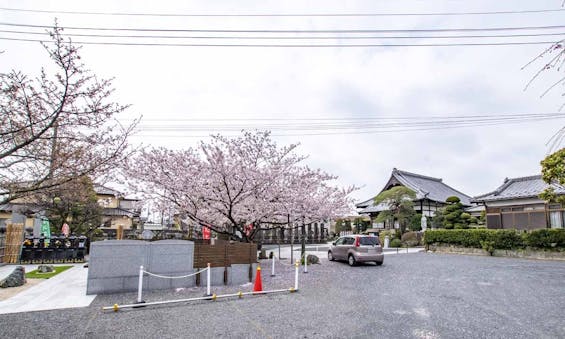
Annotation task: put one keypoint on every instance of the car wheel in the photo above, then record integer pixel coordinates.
(351, 260)
(330, 256)
(379, 263)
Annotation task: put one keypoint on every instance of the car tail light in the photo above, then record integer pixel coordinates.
(357, 242)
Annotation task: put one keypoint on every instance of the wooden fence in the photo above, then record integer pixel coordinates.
(223, 254)
(12, 244)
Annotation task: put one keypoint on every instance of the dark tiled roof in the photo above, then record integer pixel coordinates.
(11, 207)
(103, 190)
(516, 188)
(365, 203)
(372, 208)
(424, 186)
(6, 207)
(428, 187)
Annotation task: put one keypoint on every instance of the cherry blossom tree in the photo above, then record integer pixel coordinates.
(57, 128)
(228, 184)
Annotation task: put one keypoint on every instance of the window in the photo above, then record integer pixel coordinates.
(378, 225)
(521, 221)
(534, 208)
(493, 221)
(368, 240)
(349, 241)
(508, 220)
(556, 219)
(340, 241)
(537, 220)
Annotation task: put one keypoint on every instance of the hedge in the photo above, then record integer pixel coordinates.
(501, 239)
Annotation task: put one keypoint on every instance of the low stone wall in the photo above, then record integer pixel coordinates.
(520, 253)
(114, 265)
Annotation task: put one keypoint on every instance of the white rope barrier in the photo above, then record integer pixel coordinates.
(142, 271)
(176, 277)
(211, 297)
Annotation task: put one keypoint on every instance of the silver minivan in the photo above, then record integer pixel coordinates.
(357, 248)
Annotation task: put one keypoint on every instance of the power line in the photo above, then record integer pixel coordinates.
(277, 14)
(289, 45)
(373, 124)
(289, 37)
(356, 132)
(415, 117)
(344, 31)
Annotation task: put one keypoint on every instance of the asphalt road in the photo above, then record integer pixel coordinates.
(411, 296)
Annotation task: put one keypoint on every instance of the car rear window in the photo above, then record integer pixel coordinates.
(369, 240)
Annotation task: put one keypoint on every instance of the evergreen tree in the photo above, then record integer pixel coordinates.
(400, 206)
(454, 215)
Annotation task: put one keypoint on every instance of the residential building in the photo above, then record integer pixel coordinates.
(118, 210)
(431, 195)
(516, 205)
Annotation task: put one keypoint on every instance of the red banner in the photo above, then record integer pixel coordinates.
(205, 232)
(248, 229)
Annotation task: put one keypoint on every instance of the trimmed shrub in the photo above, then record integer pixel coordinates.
(395, 243)
(506, 239)
(497, 239)
(545, 238)
(411, 239)
(488, 246)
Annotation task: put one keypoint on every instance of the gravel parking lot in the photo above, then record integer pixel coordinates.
(411, 296)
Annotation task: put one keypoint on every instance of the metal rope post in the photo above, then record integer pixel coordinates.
(140, 284)
(296, 275)
(273, 265)
(208, 280)
(305, 262)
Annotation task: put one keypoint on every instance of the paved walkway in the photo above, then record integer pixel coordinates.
(65, 290)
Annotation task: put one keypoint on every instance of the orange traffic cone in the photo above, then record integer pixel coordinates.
(258, 287)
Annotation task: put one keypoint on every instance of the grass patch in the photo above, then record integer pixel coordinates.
(38, 275)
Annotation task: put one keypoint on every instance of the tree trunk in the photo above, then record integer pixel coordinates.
(303, 243)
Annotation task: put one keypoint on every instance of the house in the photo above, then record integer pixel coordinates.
(516, 205)
(431, 195)
(118, 210)
(20, 213)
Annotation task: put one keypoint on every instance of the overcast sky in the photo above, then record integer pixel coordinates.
(188, 86)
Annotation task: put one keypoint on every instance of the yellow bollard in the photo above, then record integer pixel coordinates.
(239, 294)
(116, 308)
(292, 290)
(214, 296)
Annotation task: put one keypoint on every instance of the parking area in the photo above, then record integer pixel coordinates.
(418, 295)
